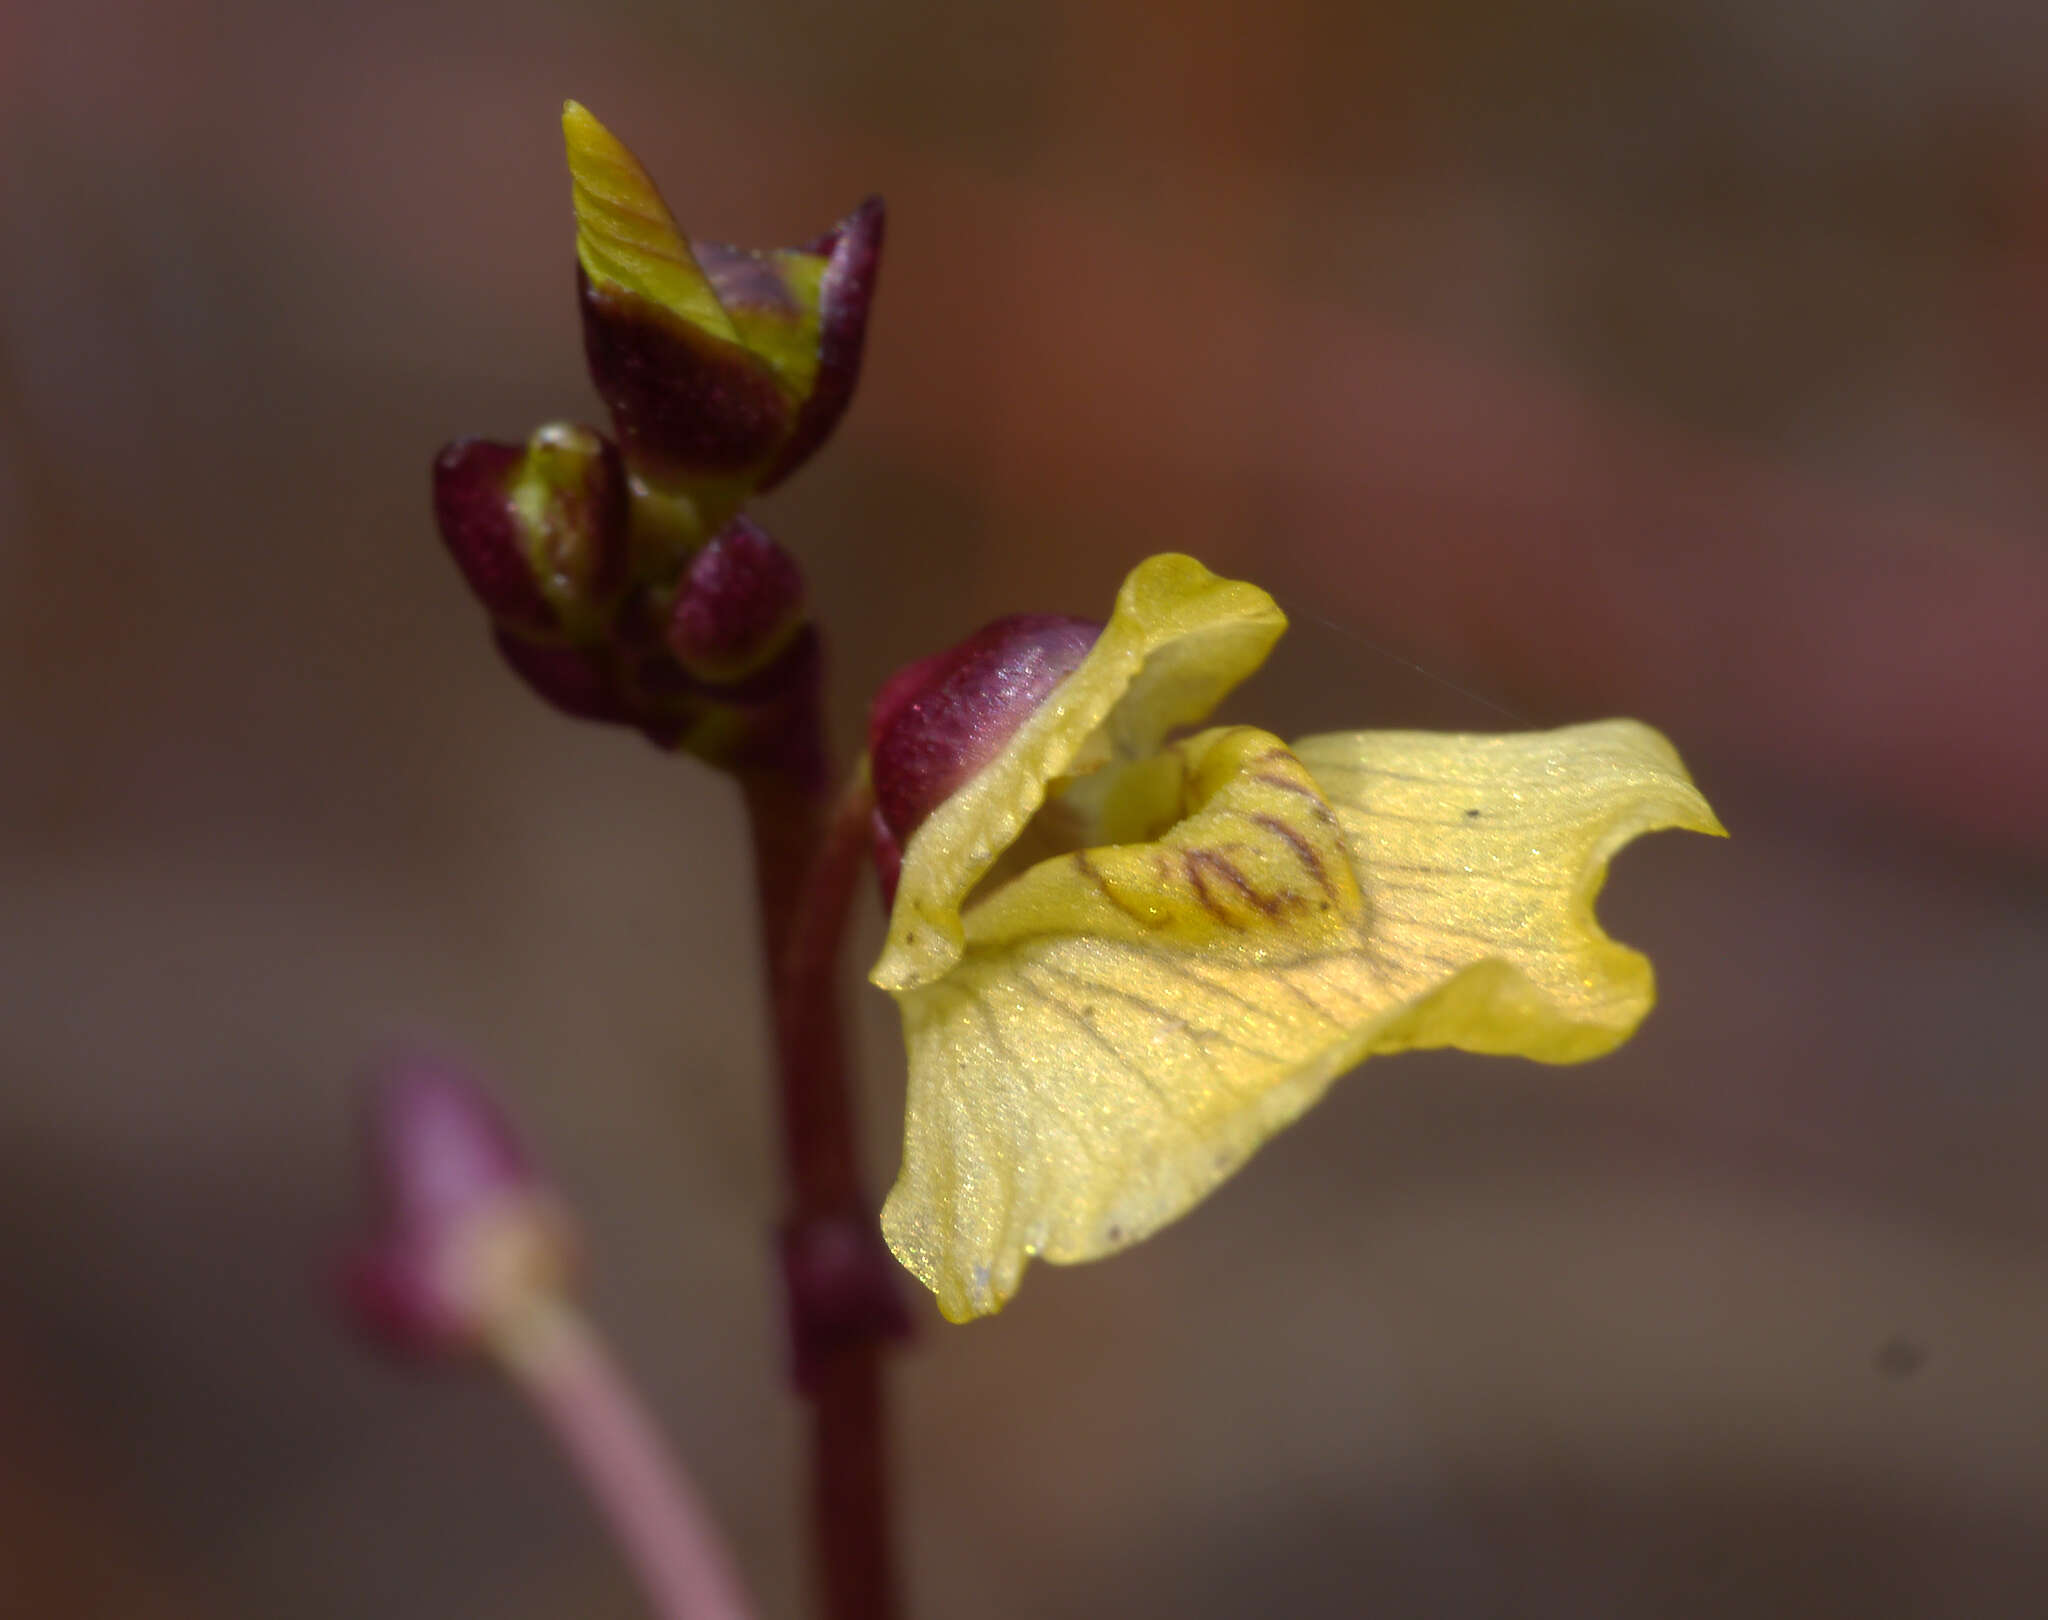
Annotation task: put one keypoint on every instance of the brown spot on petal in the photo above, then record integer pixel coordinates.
(1202, 895)
(1210, 861)
(1088, 869)
(1197, 863)
(1304, 851)
(1293, 784)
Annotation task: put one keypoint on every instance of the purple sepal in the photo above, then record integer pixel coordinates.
(841, 1288)
(686, 404)
(576, 680)
(938, 721)
(845, 297)
(540, 566)
(741, 599)
(472, 478)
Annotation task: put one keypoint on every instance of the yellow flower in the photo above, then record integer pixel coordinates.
(1123, 962)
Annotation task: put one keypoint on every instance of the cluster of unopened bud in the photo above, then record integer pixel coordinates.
(706, 648)
(622, 581)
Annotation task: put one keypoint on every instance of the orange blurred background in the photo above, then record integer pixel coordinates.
(1687, 361)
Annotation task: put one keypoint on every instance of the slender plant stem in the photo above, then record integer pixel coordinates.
(557, 1358)
(807, 861)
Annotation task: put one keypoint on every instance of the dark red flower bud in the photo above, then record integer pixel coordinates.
(580, 681)
(538, 531)
(724, 368)
(940, 720)
(465, 1231)
(690, 407)
(766, 721)
(741, 600)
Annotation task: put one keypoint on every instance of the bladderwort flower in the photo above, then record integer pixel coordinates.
(1124, 961)
(1124, 956)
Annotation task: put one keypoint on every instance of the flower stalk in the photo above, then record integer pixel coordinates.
(840, 1292)
(557, 1359)
(470, 1253)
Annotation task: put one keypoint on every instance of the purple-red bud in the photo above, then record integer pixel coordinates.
(940, 720)
(539, 531)
(475, 517)
(740, 603)
(688, 404)
(579, 681)
(725, 666)
(464, 1231)
(724, 367)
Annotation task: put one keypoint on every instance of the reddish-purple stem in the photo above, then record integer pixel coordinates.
(807, 861)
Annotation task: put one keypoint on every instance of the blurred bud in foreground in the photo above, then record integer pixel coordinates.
(724, 368)
(938, 721)
(466, 1236)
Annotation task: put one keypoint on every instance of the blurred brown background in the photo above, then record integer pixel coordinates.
(1682, 360)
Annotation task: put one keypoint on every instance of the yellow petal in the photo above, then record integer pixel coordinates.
(625, 236)
(1125, 1026)
(1485, 855)
(1179, 639)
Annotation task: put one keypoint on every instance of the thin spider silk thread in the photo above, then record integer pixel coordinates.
(1351, 633)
